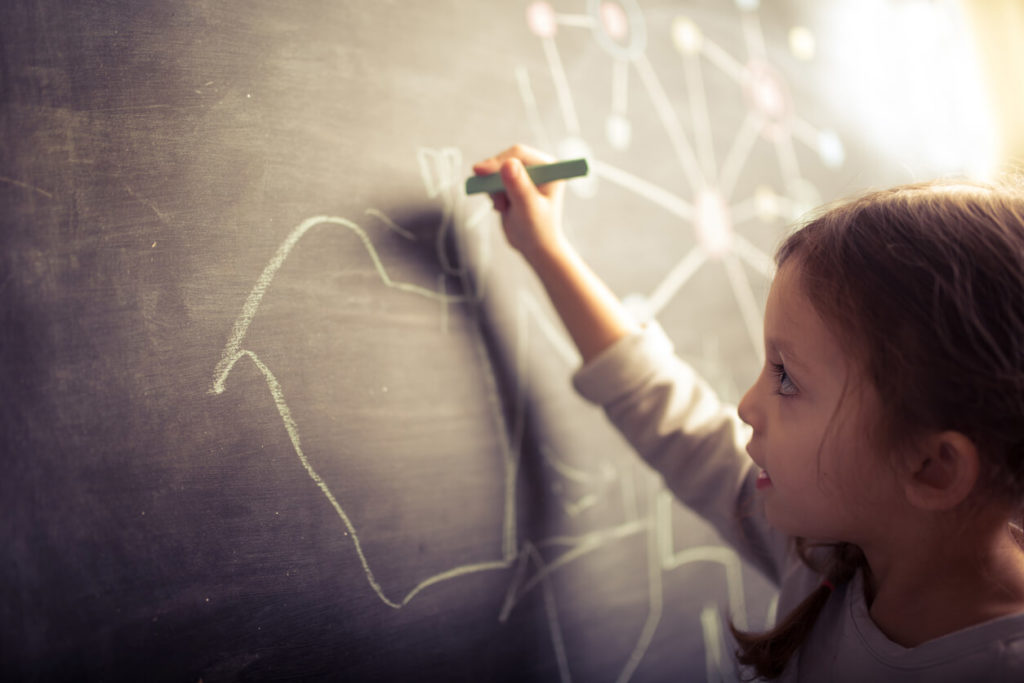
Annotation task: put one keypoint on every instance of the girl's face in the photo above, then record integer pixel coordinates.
(811, 416)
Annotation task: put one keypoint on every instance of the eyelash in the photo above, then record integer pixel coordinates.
(786, 387)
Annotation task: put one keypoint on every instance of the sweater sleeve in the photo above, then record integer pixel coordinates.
(676, 423)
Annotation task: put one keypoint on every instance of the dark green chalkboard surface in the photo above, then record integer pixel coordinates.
(278, 402)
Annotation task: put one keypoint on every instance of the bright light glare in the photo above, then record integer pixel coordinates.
(910, 75)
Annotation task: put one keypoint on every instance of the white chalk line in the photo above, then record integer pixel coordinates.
(726, 63)
(699, 114)
(530, 104)
(739, 153)
(26, 186)
(753, 36)
(440, 170)
(562, 91)
(576, 20)
(667, 115)
(620, 87)
(805, 132)
(645, 189)
(753, 257)
(655, 593)
(787, 162)
(386, 220)
(233, 353)
(711, 627)
(747, 302)
(674, 281)
(599, 480)
(293, 435)
(554, 625)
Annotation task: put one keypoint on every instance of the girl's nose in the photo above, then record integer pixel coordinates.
(747, 408)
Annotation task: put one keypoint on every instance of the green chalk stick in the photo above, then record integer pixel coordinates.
(540, 174)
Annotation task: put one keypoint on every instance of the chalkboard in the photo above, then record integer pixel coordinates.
(279, 402)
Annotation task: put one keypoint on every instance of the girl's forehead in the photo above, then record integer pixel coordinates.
(793, 324)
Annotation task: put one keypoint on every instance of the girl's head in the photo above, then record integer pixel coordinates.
(896, 318)
(923, 285)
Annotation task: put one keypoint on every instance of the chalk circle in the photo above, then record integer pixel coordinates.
(574, 148)
(638, 307)
(614, 21)
(766, 203)
(540, 17)
(767, 93)
(618, 130)
(804, 200)
(619, 27)
(801, 43)
(830, 149)
(713, 222)
(686, 35)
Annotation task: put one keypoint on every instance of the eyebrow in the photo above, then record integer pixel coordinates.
(785, 348)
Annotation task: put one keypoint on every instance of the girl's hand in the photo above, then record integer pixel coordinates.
(530, 215)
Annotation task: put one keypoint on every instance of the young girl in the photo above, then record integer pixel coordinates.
(887, 447)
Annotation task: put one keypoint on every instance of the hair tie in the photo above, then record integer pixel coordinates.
(828, 584)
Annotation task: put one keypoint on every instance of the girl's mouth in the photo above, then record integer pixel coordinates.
(763, 480)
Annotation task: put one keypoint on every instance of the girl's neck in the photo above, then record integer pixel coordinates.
(950, 583)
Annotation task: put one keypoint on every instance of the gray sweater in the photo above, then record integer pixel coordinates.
(675, 421)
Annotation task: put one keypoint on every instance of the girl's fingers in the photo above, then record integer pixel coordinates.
(487, 166)
(528, 155)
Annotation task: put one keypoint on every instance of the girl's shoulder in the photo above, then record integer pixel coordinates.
(846, 639)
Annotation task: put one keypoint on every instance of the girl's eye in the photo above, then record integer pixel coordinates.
(786, 386)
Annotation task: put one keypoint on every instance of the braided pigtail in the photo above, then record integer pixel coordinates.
(768, 653)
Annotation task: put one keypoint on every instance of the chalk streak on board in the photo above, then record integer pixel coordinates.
(576, 20)
(26, 186)
(386, 220)
(674, 130)
(711, 625)
(676, 278)
(753, 36)
(700, 113)
(744, 293)
(231, 350)
(551, 611)
(620, 87)
(728, 64)
(293, 434)
(569, 117)
(788, 163)
(739, 153)
(656, 599)
(530, 104)
(530, 570)
(644, 189)
(754, 257)
(722, 555)
(441, 172)
(233, 353)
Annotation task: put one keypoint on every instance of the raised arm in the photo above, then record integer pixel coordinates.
(532, 219)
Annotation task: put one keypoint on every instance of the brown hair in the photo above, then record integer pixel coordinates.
(925, 285)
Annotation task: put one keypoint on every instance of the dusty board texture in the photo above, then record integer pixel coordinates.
(278, 401)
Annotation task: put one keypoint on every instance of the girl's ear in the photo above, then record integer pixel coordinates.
(942, 473)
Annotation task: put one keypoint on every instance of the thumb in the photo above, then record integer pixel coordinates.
(518, 185)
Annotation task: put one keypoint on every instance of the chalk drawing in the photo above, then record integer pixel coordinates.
(26, 186)
(711, 208)
(528, 568)
(619, 29)
(714, 214)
